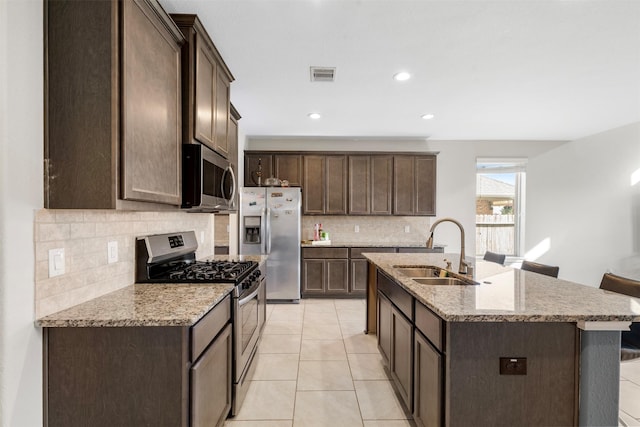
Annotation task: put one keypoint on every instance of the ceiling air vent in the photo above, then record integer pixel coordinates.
(323, 74)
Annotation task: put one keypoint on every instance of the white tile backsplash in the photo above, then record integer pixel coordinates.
(84, 235)
(372, 229)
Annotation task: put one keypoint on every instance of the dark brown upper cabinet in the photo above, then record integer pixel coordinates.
(205, 86)
(112, 105)
(414, 185)
(278, 165)
(370, 184)
(324, 185)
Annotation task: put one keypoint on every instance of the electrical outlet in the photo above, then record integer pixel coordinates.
(407, 229)
(56, 262)
(513, 366)
(356, 229)
(112, 251)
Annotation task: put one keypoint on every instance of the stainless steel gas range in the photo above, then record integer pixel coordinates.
(171, 258)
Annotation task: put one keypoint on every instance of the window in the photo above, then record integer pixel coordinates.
(500, 185)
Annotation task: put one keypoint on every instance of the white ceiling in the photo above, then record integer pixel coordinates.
(501, 70)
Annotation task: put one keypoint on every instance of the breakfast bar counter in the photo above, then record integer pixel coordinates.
(502, 346)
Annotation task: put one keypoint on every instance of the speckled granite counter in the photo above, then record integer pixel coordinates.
(147, 304)
(142, 305)
(506, 294)
(339, 244)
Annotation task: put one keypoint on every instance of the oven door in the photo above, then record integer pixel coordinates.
(247, 327)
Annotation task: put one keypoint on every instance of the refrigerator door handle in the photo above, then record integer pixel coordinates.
(268, 242)
(263, 231)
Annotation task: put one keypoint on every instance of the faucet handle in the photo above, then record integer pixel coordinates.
(448, 263)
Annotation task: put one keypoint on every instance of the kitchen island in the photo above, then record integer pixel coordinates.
(516, 348)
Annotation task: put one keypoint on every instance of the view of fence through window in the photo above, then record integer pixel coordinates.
(500, 206)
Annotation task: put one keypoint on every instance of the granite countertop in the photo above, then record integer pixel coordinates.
(340, 244)
(506, 294)
(148, 304)
(142, 304)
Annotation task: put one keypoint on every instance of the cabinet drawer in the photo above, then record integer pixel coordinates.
(203, 332)
(398, 296)
(357, 252)
(430, 325)
(325, 253)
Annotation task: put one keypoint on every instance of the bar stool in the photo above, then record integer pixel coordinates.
(547, 270)
(494, 257)
(630, 344)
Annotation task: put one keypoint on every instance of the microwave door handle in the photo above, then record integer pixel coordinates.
(268, 231)
(234, 189)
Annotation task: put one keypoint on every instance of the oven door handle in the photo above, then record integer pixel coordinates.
(248, 298)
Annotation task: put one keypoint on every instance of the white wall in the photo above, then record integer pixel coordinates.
(21, 146)
(580, 197)
(456, 171)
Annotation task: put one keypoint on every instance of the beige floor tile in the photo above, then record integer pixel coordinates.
(361, 343)
(326, 409)
(320, 307)
(351, 304)
(352, 328)
(627, 420)
(322, 350)
(347, 315)
(320, 317)
(389, 423)
(287, 316)
(280, 344)
(630, 370)
(324, 375)
(276, 367)
(367, 366)
(275, 423)
(268, 400)
(378, 401)
(321, 332)
(630, 398)
(279, 327)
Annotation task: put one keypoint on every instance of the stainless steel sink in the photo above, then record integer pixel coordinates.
(446, 281)
(418, 271)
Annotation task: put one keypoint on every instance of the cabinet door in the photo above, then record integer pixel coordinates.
(401, 362)
(289, 167)
(253, 164)
(313, 185)
(381, 185)
(359, 268)
(151, 143)
(337, 273)
(425, 170)
(336, 185)
(221, 117)
(384, 327)
(211, 383)
(313, 276)
(206, 71)
(427, 378)
(403, 185)
(359, 185)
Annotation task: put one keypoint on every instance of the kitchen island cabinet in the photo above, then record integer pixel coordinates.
(505, 351)
(108, 64)
(148, 354)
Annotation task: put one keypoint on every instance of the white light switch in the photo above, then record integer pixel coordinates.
(56, 262)
(112, 251)
(407, 229)
(356, 229)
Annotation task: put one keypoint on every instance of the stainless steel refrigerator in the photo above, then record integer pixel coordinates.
(270, 225)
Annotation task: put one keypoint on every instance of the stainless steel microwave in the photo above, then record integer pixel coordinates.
(208, 180)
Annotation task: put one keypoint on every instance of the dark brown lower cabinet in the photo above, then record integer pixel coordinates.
(384, 327)
(325, 272)
(211, 401)
(427, 380)
(139, 376)
(401, 363)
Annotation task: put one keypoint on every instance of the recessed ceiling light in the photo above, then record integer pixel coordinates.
(314, 116)
(401, 76)
(427, 116)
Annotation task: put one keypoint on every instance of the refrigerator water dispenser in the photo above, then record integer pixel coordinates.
(252, 229)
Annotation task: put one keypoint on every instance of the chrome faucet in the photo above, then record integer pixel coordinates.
(464, 265)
